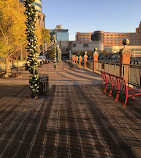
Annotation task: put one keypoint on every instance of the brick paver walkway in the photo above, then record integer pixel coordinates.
(75, 121)
(62, 75)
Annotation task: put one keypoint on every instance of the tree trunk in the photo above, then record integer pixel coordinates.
(21, 53)
(7, 66)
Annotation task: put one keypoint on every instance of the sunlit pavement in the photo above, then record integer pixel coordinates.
(76, 119)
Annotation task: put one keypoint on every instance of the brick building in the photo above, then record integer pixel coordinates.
(114, 38)
(83, 37)
(111, 38)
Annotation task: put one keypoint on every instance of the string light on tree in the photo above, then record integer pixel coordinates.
(57, 54)
(30, 12)
(55, 50)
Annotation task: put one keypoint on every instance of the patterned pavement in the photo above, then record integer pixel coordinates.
(76, 120)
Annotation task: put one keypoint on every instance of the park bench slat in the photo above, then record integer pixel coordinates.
(119, 84)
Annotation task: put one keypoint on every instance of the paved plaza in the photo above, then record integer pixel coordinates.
(75, 120)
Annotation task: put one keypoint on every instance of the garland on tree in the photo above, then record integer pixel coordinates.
(30, 11)
(57, 53)
(54, 50)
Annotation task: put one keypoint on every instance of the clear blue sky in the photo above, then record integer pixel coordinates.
(92, 15)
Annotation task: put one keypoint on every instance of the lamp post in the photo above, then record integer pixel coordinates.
(85, 59)
(80, 60)
(95, 59)
(55, 50)
(30, 12)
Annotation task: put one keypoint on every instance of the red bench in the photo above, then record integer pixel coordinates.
(14, 75)
(120, 84)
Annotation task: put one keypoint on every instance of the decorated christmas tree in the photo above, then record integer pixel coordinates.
(32, 46)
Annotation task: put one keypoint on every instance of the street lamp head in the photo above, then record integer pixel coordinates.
(125, 42)
(95, 49)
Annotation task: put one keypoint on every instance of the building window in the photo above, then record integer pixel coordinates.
(74, 45)
(85, 45)
(39, 17)
(37, 4)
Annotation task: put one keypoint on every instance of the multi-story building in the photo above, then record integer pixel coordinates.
(61, 34)
(40, 15)
(70, 47)
(111, 38)
(62, 37)
(78, 46)
(83, 37)
(114, 38)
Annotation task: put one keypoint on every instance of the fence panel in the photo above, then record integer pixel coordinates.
(135, 76)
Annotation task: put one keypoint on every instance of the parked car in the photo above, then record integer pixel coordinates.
(41, 58)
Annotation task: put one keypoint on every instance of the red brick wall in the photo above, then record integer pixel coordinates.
(83, 37)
